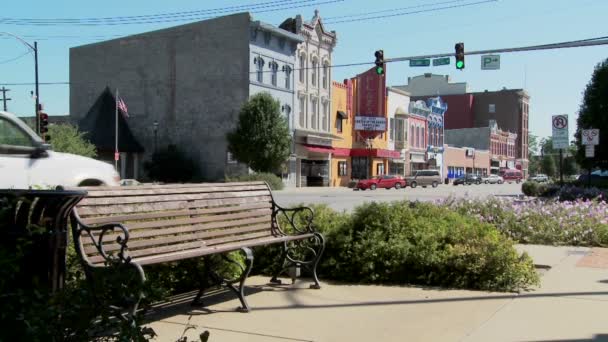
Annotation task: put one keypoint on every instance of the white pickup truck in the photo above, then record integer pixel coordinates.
(25, 161)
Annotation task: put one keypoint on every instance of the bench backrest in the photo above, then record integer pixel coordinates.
(170, 218)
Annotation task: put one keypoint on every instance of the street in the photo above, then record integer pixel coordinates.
(347, 199)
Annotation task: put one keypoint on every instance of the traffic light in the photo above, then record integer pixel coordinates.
(44, 123)
(379, 62)
(459, 55)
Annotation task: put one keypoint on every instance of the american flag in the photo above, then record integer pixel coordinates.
(123, 107)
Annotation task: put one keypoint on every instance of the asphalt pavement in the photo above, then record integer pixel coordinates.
(347, 199)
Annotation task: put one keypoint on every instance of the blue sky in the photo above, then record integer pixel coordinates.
(555, 79)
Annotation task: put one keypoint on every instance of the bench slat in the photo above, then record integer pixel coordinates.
(177, 205)
(168, 240)
(175, 213)
(118, 192)
(195, 220)
(197, 245)
(184, 229)
(175, 256)
(165, 186)
(170, 198)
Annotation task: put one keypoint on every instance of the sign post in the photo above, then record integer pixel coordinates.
(560, 140)
(590, 138)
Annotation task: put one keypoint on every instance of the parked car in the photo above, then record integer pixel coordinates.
(26, 161)
(467, 179)
(386, 181)
(492, 179)
(129, 182)
(540, 178)
(512, 175)
(424, 178)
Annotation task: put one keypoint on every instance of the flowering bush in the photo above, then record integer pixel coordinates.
(579, 223)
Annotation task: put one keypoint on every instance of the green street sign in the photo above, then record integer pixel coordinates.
(441, 61)
(420, 62)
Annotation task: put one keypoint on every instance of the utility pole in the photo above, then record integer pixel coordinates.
(37, 94)
(4, 98)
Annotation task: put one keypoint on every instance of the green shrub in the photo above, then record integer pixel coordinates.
(425, 244)
(273, 180)
(530, 188)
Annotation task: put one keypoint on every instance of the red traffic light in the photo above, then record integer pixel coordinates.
(44, 122)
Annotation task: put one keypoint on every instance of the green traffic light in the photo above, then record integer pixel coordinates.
(460, 64)
(379, 70)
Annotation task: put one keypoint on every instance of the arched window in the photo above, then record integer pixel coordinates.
(314, 116)
(325, 74)
(274, 68)
(302, 67)
(315, 65)
(302, 112)
(259, 63)
(287, 70)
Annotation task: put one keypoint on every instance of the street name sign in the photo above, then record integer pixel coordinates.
(490, 62)
(560, 131)
(420, 62)
(441, 61)
(591, 137)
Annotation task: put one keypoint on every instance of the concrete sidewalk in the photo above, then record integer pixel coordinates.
(570, 305)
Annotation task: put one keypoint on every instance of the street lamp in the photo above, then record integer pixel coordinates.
(35, 49)
(155, 135)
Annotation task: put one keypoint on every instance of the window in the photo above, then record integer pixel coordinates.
(259, 62)
(314, 72)
(422, 137)
(313, 103)
(492, 108)
(412, 136)
(380, 169)
(339, 125)
(342, 169)
(11, 134)
(287, 70)
(267, 37)
(418, 143)
(302, 67)
(325, 73)
(325, 115)
(302, 111)
(392, 129)
(274, 67)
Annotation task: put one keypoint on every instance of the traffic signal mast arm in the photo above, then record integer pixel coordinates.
(506, 50)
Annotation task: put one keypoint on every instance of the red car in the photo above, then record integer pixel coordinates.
(387, 182)
(511, 175)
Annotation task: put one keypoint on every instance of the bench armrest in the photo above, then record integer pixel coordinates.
(292, 221)
(83, 231)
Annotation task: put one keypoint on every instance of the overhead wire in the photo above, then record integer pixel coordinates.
(569, 44)
(16, 58)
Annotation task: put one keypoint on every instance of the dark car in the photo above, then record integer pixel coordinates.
(467, 179)
(387, 182)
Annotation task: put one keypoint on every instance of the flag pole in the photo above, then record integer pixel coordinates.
(116, 132)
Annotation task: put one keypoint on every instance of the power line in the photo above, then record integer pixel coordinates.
(392, 10)
(562, 45)
(411, 12)
(272, 6)
(16, 58)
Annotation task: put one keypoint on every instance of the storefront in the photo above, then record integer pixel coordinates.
(368, 163)
(313, 153)
(460, 160)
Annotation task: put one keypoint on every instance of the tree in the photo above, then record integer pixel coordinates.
(261, 138)
(593, 114)
(548, 165)
(66, 138)
(533, 159)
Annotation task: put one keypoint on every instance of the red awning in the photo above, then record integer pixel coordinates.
(379, 153)
(319, 149)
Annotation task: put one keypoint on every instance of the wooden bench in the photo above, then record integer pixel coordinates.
(153, 224)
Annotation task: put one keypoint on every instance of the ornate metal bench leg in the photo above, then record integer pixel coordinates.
(203, 283)
(281, 267)
(315, 262)
(240, 290)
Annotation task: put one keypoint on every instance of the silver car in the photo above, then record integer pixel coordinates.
(492, 179)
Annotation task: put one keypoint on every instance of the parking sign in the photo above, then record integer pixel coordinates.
(560, 131)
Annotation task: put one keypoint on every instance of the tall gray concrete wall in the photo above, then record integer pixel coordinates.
(192, 79)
